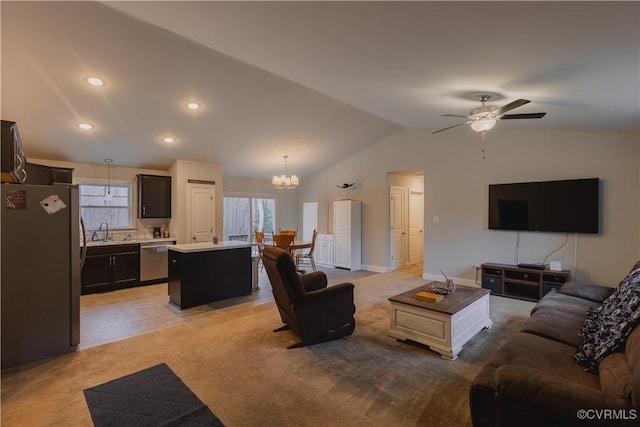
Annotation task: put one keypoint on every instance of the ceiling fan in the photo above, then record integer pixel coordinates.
(482, 119)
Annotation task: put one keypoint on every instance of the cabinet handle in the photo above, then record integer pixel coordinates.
(114, 260)
(144, 210)
(110, 261)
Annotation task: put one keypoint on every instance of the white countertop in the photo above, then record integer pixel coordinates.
(129, 242)
(209, 246)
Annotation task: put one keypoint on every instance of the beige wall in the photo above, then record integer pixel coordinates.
(456, 190)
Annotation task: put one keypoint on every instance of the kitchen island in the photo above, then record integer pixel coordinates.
(200, 273)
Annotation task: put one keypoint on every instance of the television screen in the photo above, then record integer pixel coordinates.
(569, 206)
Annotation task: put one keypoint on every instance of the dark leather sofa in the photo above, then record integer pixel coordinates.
(306, 305)
(533, 379)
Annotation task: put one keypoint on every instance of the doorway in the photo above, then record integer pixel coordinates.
(406, 219)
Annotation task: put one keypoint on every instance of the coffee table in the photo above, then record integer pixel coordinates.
(445, 325)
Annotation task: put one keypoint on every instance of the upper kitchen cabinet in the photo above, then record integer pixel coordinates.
(13, 159)
(154, 196)
(47, 175)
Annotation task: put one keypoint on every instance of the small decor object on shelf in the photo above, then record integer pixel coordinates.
(443, 288)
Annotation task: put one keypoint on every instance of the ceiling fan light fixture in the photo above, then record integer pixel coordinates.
(483, 125)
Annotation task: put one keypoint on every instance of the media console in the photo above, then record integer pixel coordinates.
(525, 283)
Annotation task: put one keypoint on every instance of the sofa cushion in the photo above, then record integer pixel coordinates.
(594, 293)
(564, 304)
(615, 376)
(555, 325)
(552, 357)
(632, 351)
(607, 326)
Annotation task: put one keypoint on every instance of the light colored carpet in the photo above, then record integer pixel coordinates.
(230, 358)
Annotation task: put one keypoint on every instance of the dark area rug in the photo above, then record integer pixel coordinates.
(155, 396)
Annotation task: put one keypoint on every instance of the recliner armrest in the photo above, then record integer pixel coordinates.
(538, 389)
(313, 281)
(596, 293)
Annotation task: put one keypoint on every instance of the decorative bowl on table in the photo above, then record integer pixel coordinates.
(442, 288)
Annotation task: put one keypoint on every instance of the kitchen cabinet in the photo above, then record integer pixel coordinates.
(314, 217)
(200, 273)
(324, 250)
(154, 196)
(47, 175)
(12, 158)
(111, 267)
(347, 231)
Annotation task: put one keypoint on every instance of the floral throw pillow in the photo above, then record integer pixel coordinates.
(606, 327)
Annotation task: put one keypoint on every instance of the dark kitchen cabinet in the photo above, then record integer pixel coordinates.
(12, 157)
(47, 175)
(154, 196)
(111, 267)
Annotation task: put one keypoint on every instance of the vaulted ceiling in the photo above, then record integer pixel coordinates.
(315, 80)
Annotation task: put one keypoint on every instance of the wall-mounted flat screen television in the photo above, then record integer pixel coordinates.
(569, 206)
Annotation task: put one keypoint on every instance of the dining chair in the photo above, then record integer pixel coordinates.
(260, 243)
(308, 257)
(294, 233)
(283, 241)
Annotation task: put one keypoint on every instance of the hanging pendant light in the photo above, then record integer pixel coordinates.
(108, 196)
(285, 182)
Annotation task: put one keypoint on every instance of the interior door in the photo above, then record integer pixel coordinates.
(397, 222)
(201, 212)
(416, 226)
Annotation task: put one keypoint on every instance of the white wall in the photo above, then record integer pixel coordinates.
(456, 190)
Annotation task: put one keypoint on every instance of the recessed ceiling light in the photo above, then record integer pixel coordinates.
(85, 126)
(95, 81)
(168, 139)
(193, 105)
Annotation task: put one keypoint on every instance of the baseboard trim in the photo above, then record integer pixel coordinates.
(376, 269)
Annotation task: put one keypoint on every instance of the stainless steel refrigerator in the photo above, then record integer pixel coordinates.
(40, 274)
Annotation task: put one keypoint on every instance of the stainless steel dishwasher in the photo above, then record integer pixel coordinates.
(153, 261)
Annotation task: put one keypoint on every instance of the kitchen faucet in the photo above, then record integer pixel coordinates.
(106, 236)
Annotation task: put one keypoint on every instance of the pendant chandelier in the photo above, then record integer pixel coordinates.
(108, 196)
(285, 182)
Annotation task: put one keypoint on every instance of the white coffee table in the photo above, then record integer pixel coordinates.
(444, 326)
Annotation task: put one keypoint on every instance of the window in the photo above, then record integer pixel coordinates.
(244, 215)
(106, 203)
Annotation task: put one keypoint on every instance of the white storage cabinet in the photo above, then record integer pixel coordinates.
(347, 230)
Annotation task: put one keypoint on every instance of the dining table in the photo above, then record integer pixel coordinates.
(295, 245)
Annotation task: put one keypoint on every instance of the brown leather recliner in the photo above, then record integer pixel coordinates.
(314, 311)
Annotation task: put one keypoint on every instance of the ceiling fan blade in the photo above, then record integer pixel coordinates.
(510, 106)
(455, 115)
(450, 127)
(523, 116)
